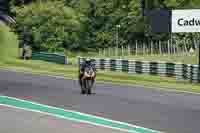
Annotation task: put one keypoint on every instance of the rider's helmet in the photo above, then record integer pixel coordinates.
(87, 61)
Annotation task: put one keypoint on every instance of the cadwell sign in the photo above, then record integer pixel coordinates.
(185, 20)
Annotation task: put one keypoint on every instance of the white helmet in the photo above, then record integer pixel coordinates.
(87, 59)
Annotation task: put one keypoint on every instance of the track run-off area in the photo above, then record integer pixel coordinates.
(36, 100)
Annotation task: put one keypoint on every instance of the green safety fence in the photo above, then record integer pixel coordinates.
(50, 57)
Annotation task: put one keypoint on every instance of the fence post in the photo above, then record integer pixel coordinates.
(136, 48)
(116, 53)
(168, 44)
(143, 48)
(129, 50)
(151, 47)
(122, 51)
(99, 52)
(185, 45)
(109, 52)
(104, 52)
(160, 48)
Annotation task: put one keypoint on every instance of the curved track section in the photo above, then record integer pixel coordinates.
(20, 121)
(169, 112)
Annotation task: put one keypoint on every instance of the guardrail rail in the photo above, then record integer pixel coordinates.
(177, 70)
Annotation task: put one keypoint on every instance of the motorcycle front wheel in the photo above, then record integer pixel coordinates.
(88, 85)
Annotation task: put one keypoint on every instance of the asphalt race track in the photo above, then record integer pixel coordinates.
(29, 122)
(170, 112)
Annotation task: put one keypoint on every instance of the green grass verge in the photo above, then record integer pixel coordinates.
(71, 72)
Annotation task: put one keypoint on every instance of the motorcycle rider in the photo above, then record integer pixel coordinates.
(86, 63)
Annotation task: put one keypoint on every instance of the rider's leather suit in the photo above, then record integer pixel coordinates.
(82, 67)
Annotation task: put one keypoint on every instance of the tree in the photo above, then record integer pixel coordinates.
(52, 25)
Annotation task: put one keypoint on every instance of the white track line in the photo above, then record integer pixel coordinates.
(130, 125)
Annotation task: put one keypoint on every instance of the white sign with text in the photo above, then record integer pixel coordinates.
(185, 20)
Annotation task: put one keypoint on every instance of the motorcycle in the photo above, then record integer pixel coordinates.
(88, 80)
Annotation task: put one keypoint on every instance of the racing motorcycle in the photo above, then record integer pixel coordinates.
(88, 79)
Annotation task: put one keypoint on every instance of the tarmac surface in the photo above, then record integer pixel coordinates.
(170, 112)
(20, 121)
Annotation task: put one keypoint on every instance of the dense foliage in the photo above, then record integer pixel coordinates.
(51, 26)
(88, 24)
(8, 44)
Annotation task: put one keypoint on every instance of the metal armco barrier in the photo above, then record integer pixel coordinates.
(179, 71)
(50, 57)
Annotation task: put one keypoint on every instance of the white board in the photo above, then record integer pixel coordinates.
(187, 20)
